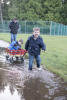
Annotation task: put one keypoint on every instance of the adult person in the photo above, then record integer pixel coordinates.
(33, 45)
(14, 26)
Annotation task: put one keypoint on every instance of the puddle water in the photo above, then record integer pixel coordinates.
(9, 93)
(17, 83)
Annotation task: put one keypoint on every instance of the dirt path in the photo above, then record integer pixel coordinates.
(16, 79)
(3, 44)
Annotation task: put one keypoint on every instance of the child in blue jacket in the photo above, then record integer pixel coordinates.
(16, 45)
(33, 45)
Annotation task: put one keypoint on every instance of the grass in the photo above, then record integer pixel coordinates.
(55, 57)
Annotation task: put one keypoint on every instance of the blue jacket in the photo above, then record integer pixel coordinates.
(34, 46)
(14, 46)
(13, 27)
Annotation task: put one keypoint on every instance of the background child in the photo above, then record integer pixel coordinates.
(33, 45)
(16, 45)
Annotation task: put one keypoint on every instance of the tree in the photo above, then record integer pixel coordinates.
(63, 12)
(1, 16)
(51, 10)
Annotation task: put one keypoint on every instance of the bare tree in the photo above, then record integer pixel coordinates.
(1, 16)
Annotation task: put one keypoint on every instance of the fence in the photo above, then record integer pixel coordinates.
(46, 27)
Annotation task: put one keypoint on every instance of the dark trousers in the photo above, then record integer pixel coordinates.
(31, 59)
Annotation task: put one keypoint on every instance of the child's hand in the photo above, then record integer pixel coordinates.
(43, 50)
(19, 48)
(15, 44)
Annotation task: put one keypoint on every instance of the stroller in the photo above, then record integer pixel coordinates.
(15, 55)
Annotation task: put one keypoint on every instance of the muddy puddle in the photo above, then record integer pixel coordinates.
(17, 83)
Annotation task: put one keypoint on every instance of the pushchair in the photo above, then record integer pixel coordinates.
(15, 55)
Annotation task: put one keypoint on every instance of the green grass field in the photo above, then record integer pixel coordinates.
(55, 57)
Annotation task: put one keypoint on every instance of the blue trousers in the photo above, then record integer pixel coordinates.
(31, 59)
(13, 37)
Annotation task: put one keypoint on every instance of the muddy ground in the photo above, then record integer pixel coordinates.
(18, 83)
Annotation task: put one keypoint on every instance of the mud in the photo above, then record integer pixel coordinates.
(18, 83)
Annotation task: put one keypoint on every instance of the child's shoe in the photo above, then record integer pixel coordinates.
(39, 68)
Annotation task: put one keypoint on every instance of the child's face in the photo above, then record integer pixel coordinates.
(36, 33)
(15, 20)
(19, 43)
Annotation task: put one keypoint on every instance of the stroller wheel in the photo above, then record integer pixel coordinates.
(17, 58)
(22, 59)
(7, 57)
(11, 60)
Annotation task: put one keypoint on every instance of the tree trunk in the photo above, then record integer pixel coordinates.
(1, 16)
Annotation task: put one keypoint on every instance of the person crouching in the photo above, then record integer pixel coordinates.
(16, 45)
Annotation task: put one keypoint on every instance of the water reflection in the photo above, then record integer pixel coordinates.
(37, 90)
(9, 95)
(11, 86)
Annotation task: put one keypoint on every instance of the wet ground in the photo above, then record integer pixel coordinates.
(17, 83)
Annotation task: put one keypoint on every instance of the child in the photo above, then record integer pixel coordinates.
(33, 45)
(14, 26)
(16, 45)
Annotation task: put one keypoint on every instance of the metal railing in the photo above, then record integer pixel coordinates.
(46, 27)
